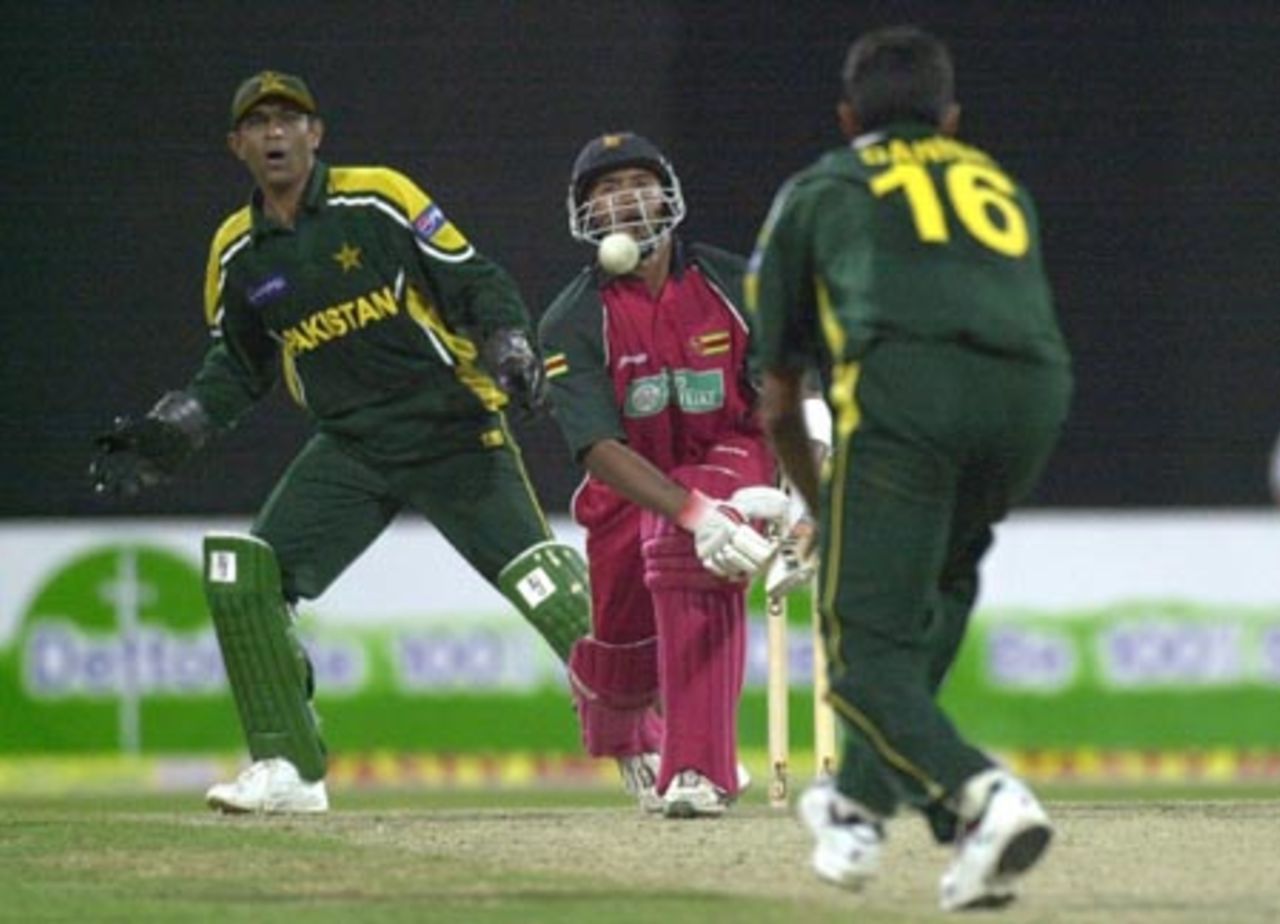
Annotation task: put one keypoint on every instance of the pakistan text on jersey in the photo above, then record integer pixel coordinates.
(934, 150)
(338, 321)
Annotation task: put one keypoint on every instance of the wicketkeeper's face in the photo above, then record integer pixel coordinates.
(277, 142)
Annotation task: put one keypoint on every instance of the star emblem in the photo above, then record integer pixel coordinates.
(271, 83)
(348, 257)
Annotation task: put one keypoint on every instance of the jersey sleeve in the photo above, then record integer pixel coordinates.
(781, 292)
(242, 362)
(571, 337)
(471, 291)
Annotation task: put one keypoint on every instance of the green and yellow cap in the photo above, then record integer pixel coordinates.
(270, 84)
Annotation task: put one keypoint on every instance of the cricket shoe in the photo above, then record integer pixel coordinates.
(848, 843)
(640, 779)
(692, 795)
(1002, 839)
(271, 787)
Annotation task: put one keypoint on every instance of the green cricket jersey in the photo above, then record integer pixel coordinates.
(904, 234)
(371, 307)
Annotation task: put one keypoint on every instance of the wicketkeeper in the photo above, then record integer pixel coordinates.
(403, 344)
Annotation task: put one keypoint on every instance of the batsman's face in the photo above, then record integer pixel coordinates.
(278, 144)
(628, 199)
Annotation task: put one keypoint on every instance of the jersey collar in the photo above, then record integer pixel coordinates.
(313, 200)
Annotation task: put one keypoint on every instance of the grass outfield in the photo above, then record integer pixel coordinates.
(1155, 855)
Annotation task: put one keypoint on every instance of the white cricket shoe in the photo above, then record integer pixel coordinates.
(692, 795)
(1006, 834)
(270, 786)
(848, 845)
(640, 779)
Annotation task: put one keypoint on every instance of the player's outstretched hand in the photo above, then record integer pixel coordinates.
(138, 454)
(132, 456)
(511, 360)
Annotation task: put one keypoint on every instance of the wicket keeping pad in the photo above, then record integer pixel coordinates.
(548, 584)
(266, 665)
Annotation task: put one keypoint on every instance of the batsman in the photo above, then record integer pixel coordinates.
(404, 345)
(647, 365)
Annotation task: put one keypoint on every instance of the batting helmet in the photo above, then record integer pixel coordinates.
(590, 221)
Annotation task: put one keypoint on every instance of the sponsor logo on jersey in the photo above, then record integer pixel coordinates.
(429, 222)
(711, 344)
(555, 364)
(693, 391)
(268, 290)
(632, 359)
(699, 392)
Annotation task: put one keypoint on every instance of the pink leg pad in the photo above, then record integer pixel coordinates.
(701, 649)
(614, 687)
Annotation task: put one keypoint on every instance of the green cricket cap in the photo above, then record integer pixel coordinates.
(267, 85)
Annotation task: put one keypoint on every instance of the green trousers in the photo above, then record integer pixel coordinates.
(330, 506)
(934, 443)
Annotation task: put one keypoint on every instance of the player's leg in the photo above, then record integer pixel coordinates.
(971, 536)
(483, 503)
(1016, 412)
(614, 671)
(701, 628)
(326, 509)
(885, 532)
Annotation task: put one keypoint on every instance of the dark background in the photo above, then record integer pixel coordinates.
(1146, 131)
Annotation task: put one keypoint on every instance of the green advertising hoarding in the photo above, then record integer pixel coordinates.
(114, 652)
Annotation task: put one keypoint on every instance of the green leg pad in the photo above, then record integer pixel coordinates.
(547, 582)
(266, 664)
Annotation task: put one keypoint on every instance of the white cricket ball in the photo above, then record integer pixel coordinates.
(619, 253)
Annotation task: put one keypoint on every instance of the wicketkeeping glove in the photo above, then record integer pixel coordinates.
(726, 543)
(139, 454)
(511, 360)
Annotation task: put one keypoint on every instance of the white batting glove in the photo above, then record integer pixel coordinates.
(760, 503)
(727, 545)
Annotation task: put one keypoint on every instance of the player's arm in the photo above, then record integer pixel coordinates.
(782, 413)
(239, 367)
(582, 400)
(635, 477)
(781, 301)
(473, 293)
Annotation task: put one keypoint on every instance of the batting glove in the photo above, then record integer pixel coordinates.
(726, 543)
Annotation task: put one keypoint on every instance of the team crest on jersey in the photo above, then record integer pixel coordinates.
(429, 222)
(647, 395)
(268, 290)
(712, 343)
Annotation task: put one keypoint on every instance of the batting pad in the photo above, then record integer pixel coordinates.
(701, 625)
(266, 664)
(548, 583)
